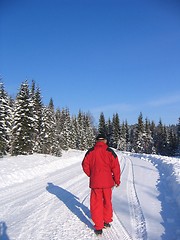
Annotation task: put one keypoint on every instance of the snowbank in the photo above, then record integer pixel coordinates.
(17, 169)
(169, 170)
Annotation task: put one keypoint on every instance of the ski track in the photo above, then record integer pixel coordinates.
(137, 216)
(62, 210)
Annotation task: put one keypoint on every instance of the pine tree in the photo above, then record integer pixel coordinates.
(89, 133)
(51, 105)
(102, 124)
(178, 138)
(128, 143)
(81, 132)
(160, 139)
(66, 133)
(116, 130)
(153, 129)
(74, 133)
(22, 126)
(140, 136)
(50, 143)
(9, 121)
(33, 88)
(122, 140)
(172, 143)
(132, 139)
(55, 148)
(149, 142)
(109, 130)
(165, 131)
(58, 115)
(38, 119)
(5, 120)
(60, 126)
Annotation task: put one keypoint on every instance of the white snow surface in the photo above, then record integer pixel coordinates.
(43, 197)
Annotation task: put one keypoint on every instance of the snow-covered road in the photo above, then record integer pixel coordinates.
(47, 198)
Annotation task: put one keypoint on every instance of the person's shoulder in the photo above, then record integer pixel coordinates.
(111, 151)
(89, 150)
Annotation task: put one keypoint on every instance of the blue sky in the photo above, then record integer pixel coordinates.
(95, 55)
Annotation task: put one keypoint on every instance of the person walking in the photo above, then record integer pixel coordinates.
(102, 166)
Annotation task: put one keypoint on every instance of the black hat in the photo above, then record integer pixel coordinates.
(101, 136)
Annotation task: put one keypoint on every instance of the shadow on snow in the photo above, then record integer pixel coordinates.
(3, 229)
(72, 203)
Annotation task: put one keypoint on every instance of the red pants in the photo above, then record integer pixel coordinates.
(101, 207)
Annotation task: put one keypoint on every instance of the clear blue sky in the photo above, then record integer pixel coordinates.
(95, 55)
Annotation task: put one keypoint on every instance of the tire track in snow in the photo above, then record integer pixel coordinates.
(137, 217)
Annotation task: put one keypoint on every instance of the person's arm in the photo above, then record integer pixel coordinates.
(116, 171)
(85, 165)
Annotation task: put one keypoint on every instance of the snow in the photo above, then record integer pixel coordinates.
(44, 197)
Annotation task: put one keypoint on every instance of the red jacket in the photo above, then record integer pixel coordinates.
(101, 164)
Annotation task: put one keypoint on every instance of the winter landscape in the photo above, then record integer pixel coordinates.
(45, 197)
(68, 71)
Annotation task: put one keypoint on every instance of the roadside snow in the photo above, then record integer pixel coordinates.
(168, 186)
(169, 169)
(18, 169)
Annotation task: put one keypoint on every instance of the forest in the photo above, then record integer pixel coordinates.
(27, 126)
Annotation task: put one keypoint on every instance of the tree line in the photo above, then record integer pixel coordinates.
(27, 126)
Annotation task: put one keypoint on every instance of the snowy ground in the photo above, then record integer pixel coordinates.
(47, 198)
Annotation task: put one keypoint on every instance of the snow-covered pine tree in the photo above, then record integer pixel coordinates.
(149, 142)
(81, 131)
(122, 140)
(60, 122)
(153, 129)
(38, 118)
(11, 103)
(60, 119)
(89, 133)
(160, 139)
(172, 144)
(66, 129)
(109, 129)
(128, 144)
(132, 138)
(74, 133)
(140, 136)
(51, 105)
(22, 125)
(178, 138)
(58, 125)
(50, 143)
(102, 124)
(5, 120)
(46, 133)
(116, 130)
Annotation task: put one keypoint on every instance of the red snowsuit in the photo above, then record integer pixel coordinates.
(102, 166)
